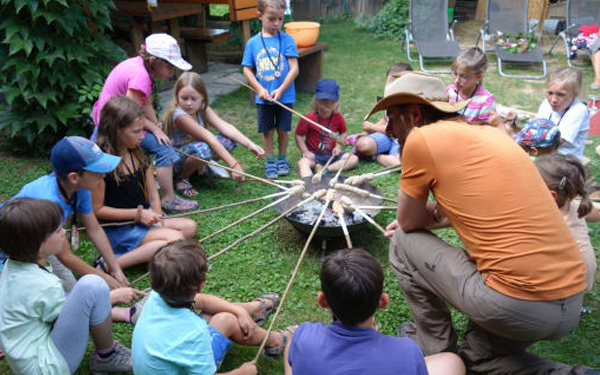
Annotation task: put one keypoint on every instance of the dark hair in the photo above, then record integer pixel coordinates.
(25, 224)
(398, 67)
(119, 113)
(565, 175)
(352, 281)
(177, 270)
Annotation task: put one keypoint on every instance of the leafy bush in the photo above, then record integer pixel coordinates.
(391, 20)
(54, 55)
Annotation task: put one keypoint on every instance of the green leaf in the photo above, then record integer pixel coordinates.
(19, 4)
(33, 5)
(10, 93)
(17, 44)
(47, 15)
(62, 2)
(67, 112)
(45, 96)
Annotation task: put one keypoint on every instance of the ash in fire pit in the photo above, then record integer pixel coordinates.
(309, 213)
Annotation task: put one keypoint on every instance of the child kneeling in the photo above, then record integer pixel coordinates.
(170, 337)
(352, 288)
(41, 330)
(319, 146)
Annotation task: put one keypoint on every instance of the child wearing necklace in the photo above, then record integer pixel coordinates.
(468, 70)
(562, 107)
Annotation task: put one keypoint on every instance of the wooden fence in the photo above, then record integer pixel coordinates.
(313, 9)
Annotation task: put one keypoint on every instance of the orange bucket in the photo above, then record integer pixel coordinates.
(304, 33)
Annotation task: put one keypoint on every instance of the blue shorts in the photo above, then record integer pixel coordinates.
(220, 344)
(271, 116)
(322, 159)
(201, 149)
(125, 238)
(395, 150)
(384, 143)
(163, 155)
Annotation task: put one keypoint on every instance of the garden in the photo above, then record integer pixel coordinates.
(356, 58)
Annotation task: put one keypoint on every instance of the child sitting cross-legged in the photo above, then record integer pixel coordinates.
(171, 338)
(319, 146)
(352, 288)
(42, 331)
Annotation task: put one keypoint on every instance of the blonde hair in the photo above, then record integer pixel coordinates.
(314, 106)
(119, 113)
(471, 59)
(195, 81)
(567, 77)
(565, 175)
(276, 4)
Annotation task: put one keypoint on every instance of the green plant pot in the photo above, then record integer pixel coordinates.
(450, 14)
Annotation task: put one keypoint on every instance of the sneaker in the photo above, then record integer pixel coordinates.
(119, 361)
(271, 170)
(218, 171)
(583, 370)
(139, 306)
(283, 167)
(408, 330)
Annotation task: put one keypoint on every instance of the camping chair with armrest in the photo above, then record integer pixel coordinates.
(510, 17)
(579, 12)
(428, 29)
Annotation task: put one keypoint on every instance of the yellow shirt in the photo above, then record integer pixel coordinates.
(499, 205)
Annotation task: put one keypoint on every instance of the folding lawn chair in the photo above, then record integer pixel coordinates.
(510, 16)
(579, 12)
(428, 29)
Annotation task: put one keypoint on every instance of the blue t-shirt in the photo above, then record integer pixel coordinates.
(338, 349)
(263, 63)
(169, 340)
(46, 187)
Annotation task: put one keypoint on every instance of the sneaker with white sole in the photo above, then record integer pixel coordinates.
(119, 361)
(218, 171)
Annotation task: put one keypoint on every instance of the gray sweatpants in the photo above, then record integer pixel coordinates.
(433, 273)
(87, 305)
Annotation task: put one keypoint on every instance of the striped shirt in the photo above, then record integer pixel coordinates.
(479, 108)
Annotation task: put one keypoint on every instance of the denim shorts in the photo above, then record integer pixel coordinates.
(322, 159)
(201, 149)
(125, 238)
(271, 116)
(163, 155)
(220, 344)
(384, 143)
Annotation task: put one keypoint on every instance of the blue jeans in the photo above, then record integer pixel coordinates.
(163, 155)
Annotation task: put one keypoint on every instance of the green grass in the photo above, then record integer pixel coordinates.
(265, 262)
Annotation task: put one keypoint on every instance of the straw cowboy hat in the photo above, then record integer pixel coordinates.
(416, 88)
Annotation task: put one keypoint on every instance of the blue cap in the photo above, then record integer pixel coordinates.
(328, 89)
(539, 133)
(71, 154)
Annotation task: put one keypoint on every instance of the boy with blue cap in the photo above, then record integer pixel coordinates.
(320, 146)
(539, 137)
(79, 165)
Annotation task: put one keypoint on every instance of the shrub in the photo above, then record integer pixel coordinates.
(54, 55)
(391, 20)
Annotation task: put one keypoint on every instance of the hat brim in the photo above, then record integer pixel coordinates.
(180, 64)
(402, 98)
(322, 96)
(106, 164)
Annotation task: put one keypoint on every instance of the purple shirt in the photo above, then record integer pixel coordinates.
(129, 74)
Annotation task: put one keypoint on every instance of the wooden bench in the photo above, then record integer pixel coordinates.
(195, 43)
(310, 63)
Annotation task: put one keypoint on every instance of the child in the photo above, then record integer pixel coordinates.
(170, 338)
(78, 167)
(565, 177)
(538, 137)
(134, 79)
(184, 121)
(271, 65)
(41, 331)
(374, 142)
(319, 145)
(468, 69)
(562, 107)
(352, 288)
(129, 192)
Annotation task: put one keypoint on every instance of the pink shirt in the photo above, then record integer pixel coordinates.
(479, 108)
(129, 74)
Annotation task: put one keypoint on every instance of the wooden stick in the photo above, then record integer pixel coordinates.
(139, 279)
(378, 208)
(362, 192)
(335, 136)
(243, 219)
(339, 210)
(250, 176)
(316, 179)
(291, 281)
(388, 171)
(226, 249)
(370, 219)
(334, 180)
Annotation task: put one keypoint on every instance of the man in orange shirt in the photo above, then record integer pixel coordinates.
(521, 278)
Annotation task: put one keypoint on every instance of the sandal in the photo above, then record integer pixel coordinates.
(178, 205)
(265, 311)
(187, 189)
(286, 336)
(100, 264)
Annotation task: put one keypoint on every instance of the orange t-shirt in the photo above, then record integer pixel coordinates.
(499, 205)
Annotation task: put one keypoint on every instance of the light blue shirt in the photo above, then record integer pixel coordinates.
(169, 340)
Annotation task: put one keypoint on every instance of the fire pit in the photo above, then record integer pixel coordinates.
(304, 218)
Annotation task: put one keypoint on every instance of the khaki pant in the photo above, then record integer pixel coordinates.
(432, 273)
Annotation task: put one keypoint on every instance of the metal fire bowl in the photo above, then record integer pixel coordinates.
(332, 231)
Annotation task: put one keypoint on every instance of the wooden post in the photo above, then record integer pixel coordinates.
(481, 8)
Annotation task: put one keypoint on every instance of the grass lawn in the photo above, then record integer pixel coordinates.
(265, 262)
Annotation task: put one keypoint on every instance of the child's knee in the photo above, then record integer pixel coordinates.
(225, 322)
(190, 229)
(366, 146)
(94, 284)
(174, 235)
